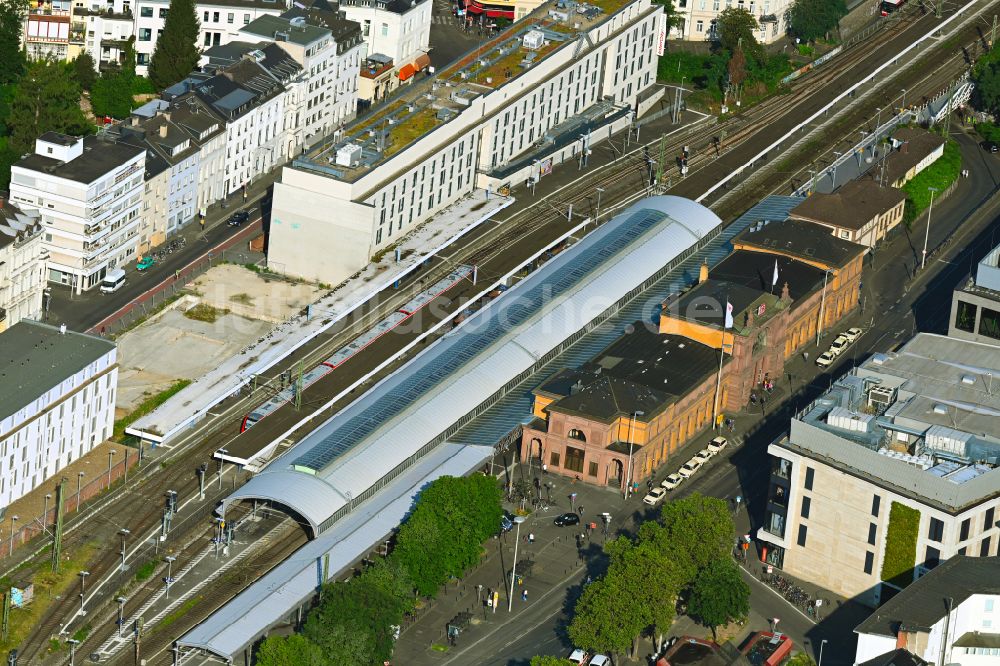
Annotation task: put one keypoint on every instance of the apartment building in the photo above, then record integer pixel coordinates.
(473, 125)
(219, 22)
(975, 304)
(47, 29)
(951, 615)
(89, 194)
(398, 29)
(324, 95)
(249, 97)
(890, 472)
(22, 265)
(698, 18)
(56, 406)
(106, 33)
(860, 211)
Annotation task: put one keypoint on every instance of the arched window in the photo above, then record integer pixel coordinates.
(577, 434)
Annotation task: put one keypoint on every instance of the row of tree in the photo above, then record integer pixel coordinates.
(355, 622)
(686, 555)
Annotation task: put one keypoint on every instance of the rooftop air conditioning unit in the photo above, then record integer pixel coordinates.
(533, 39)
(881, 396)
(349, 155)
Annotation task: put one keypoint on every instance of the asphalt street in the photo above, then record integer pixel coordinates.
(898, 300)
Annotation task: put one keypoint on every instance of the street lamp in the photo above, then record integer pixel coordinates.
(513, 570)
(79, 482)
(902, 104)
(597, 218)
(121, 614)
(111, 457)
(834, 186)
(821, 644)
(45, 514)
(927, 232)
(631, 424)
(10, 549)
(72, 650)
(170, 562)
(124, 532)
(83, 588)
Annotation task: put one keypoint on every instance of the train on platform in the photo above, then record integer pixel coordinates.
(342, 355)
(891, 6)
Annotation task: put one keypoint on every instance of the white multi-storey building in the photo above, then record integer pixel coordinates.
(323, 95)
(891, 472)
(950, 616)
(249, 98)
(89, 193)
(220, 22)
(399, 29)
(107, 33)
(56, 406)
(478, 125)
(22, 265)
(698, 18)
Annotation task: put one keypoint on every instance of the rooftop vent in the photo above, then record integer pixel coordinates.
(968, 379)
(940, 409)
(298, 22)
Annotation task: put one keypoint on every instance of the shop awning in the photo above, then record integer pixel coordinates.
(422, 62)
(406, 72)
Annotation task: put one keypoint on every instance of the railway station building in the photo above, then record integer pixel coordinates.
(889, 473)
(451, 409)
(861, 211)
(787, 283)
(539, 94)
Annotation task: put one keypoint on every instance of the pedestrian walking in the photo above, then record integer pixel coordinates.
(545, 469)
(524, 594)
(531, 537)
(581, 509)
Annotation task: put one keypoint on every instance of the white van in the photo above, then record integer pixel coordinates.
(113, 281)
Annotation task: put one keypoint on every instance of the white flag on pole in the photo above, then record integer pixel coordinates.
(774, 280)
(729, 315)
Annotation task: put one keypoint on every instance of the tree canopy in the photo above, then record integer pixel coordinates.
(696, 530)
(719, 594)
(986, 76)
(546, 660)
(12, 61)
(47, 99)
(810, 20)
(443, 536)
(736, 27)
(176, 53)
(294, 650)
(84, 70)
(111, 94)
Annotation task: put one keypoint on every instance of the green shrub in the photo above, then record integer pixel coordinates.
(940, 175)
(145, 572)
(901, 545)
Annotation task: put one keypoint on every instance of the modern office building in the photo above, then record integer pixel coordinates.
(57, 402)
(88, 192)
(860, 211)
(890, 472)
(975, 305)
(22, 265)
(498, 119)
(788, 283)
(951, 615)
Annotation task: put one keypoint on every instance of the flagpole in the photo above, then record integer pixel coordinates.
(718, 379)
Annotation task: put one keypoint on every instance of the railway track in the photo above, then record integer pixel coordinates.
(493, 243)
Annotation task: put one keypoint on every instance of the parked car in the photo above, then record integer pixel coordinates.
(702, 456)
(578, 656)
(852, 334)
(566, 520)
(506, 522)
(238, 218)
(145, 263)
(825, 359)
(688, 469)
(653, 497)
(839, 345)
(990, 146)
(672, 481)
(600, 660)
(718, 444)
